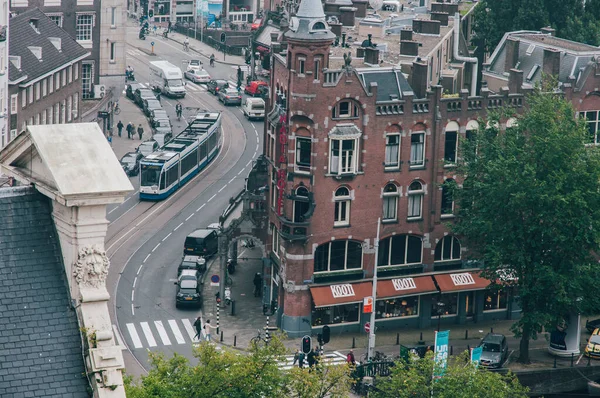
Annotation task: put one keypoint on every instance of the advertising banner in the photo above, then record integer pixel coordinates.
(442, 342)
(566, 336)
(476, 355)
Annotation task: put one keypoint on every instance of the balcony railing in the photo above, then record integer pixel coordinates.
(291, 230)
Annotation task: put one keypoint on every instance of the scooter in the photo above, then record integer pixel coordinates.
(231, 263)
(129, 76)
(227, 295)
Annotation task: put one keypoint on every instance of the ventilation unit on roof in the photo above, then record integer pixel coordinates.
(531, 73)
(530, 49)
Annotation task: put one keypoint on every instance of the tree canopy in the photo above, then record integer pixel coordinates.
(234, 374)
(461, 380)
(529, 207)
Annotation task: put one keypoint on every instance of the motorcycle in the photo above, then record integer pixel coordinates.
(231, 263)
(129, 76)
(142, 35)
(227, 295)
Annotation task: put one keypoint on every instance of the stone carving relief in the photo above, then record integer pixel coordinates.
(91, 267)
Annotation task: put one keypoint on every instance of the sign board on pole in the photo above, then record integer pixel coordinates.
(368, 305)
(476, 355)
(214, 280)
(368, 327)
(440, 358)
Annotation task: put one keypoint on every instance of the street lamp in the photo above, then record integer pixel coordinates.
(440, 310)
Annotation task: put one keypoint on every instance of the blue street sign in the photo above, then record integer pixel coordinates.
(152, 43)
(214, 279)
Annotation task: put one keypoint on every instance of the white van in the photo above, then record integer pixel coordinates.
(254, 108)
(167, 78)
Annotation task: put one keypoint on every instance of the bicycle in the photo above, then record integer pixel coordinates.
(378, 357)
(116, 108)
(186, 47)
(258, 341)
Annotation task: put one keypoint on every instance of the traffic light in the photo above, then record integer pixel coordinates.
(306, 344)
(326, 334)
(150, 13)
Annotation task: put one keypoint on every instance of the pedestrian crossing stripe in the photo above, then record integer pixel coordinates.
(152, 334)
(233, 84)
(244, 68)
(329, 358)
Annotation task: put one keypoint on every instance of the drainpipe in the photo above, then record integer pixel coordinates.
(459, 57)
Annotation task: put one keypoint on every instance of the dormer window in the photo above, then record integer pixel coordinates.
(34, 24)
(345, 109)
(318, 26)
(37, 51)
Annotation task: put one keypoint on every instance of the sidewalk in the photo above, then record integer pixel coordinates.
(130, 112)
(205, 50)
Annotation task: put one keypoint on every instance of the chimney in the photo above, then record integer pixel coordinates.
(409, 47)
(406, 34)
(361, 8)
(347, 15)
(548, 30)
(371, 56)
(515, 81)
(511, 46)
(274, 36)
(56, 42)
(426, 26)
(551, 61)
(440, 16)
(336, 28)
(419, 78)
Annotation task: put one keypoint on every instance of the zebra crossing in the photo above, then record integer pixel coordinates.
(329, 358)
(150, 334)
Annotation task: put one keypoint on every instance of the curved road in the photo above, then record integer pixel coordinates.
(145, 239)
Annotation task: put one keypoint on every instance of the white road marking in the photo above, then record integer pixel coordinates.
(132, 309)
(156, 247)
(581, 356)
(187, 325)
(211, 198)
(146, 259)
(139, 269)
(253, 125)
(134, 281)
(177, 227)
(176, 331)
(241, 171)
(162, 332)
(118, 337)
(190, 216)
(137, 343)
(148, 334)
(222, 188)
(167, 237)
(132, 295)
(230, 181)
(113, 209)
(200, 208)
(118, 218)
(250, 161)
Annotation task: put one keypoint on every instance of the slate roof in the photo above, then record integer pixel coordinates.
(23, 35)
(40, 344)
(390, 82)
(309, 13)
(574, 56)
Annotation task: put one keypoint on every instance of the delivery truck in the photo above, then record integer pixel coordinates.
(167, 78)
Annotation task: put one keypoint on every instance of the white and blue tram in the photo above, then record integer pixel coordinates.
(179, 160)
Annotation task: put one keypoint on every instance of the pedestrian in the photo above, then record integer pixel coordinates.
(350, 358)
(129, 129)
(120, 127)
(296, 357)
(198, 327)
(257, 284)
(169, 27)
(158, 96)
(311, 358)
(317, 356)
(207, 327)
(140, 131)
(301, 357)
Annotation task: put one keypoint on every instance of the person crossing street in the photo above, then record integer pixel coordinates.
(140, 131)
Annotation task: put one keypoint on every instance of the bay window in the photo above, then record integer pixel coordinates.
(343, 156)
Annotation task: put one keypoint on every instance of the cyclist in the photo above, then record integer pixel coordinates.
(178, 110)
(212, 60)
(186, 44)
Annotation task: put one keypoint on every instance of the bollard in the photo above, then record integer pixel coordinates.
(234, 340)
(451, 350)
(221, 336)
(232, 307)
(267, 331)
(218, 318)
(397, 338)
(467, 334)
(468, 348)
(572, 357)
(491, 330)
(353, 342)
(554, 362)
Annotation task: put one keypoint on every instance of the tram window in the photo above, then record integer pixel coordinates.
(188, 162)
(162, 180)
(150, 175)
(172, 175)
(203, 151)
(212, 142)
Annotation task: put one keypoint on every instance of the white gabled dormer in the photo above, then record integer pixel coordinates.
(37, 51)
(15, 60)
(56, 42)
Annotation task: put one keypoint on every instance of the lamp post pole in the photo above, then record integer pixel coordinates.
(371, 347)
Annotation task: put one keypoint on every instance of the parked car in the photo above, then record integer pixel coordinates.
(162, 136)
(256, 24)
(592, 348)
(147, 147)
(254, 108)
(150, 105)
(158, 114)
(130, 90)
(141, 94)
(215, 85)
(494, 350)
(188, 289)
(592, 325)
(196, 263)
(255, 88)
(161, 123)
(201, 242)
(131, 163)
(197, 75)
(230, 96)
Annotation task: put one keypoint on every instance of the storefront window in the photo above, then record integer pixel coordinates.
(449, 305)
(495, 300)
(397, 307)
(335, 314)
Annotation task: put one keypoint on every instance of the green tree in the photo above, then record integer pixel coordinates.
(529, 206)
(234, 374)
(461, 380)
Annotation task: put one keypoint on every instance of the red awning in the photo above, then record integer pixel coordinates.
(340, 294)
(262, 49)
(462, 281)
(405, 287)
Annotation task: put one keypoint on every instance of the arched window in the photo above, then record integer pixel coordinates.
(415, 200)
(447, 200)
(338, 255)
(301, 204)
(342, 207)
(451, 142)
(400, 250)
(318, 26)
(447, 249)
(390, 202)
(345, 109)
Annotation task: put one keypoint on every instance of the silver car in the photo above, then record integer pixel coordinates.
(494, 351)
